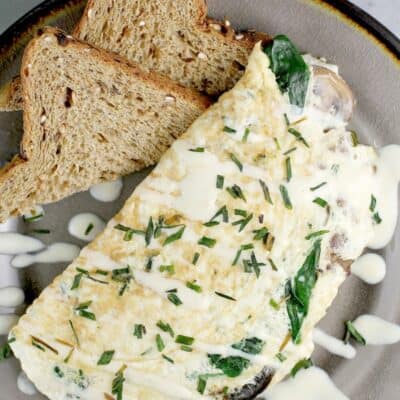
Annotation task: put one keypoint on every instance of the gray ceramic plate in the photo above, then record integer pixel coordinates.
(369, 58)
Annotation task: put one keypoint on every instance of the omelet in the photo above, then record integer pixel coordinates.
(209, 281)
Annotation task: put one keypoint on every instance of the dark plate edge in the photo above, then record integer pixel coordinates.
(368, 23)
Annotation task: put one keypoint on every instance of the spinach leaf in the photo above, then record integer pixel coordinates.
(231, 366)
(292, 73)
(302, 364)
(251, 345)
(5, 350)
(298, 293)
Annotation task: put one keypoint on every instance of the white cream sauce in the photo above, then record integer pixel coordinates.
(11, 296)
(25, 385)
(308, 384)
(376, 331)
(56, 252)
(333, 345)
(370, 267)
(85, 226)
(98, 259)
(7, 321)
(16, 243)
(107, 191)
(387, 177)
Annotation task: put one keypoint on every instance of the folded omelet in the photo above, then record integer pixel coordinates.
(209, 281)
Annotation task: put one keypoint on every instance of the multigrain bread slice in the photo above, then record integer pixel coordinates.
(172, 37)
(89, 116)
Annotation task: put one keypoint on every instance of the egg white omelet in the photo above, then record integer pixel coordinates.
(185, 294)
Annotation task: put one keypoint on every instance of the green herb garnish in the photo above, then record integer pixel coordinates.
(5, 350)
(274, 304)
(149, 231)
(139, 331)
(74, 333)
(302, 364)
(197, 150)
(33, 218)
(243, 247)
(194, 286)
(82, 310)
(207, 242)
(316, 234)
(106, 357)
(160, 343)
(186, 348)
(231, 366)
(225, 296)
(285, 197)
(170, 360)
(298, 136)
(174, 299)
(292, 73)
(354, 139)
(278, 146)
(281, 357)
(290, 151)
(372, 204)
(245, 135)
(318, 186)
(243, 221)
(266, 192)
(89, 229)
(129, 232)
(223, 211)
(220, 182)
(288, 166)
(251, 345)
(236, 192)
(321, 202)
(351, 331)
(298, 293)
(252, 265)
(201, 384)
(229, 130)
(196, 257)
(236, 161)
(165, 327)
(77, 280)
(167, 268)
(174, 237)
(377, 218)
(273, 265)
(186, 340)
(118, 384)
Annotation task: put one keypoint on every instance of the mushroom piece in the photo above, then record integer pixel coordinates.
(331, 93)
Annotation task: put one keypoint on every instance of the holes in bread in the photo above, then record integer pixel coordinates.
(58, 150)
(68, 97)
(237, 65)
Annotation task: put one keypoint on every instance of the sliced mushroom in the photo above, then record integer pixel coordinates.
(332, 94)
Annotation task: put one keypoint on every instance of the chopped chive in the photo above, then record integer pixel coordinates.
(147, 351)
(286, 119)
(41, 231)
(321, 202)
(170, 360)
(106, 357)
(196, 257)
(288, 165)
(274, 304)
(291, 150)
(278, 146)
(33, 218)
(37, 345)
(246, 135)
(186, 340)
(89, 229)
(298, 136)
(201, 384)
(285, 197)
(84, 305)
(265, 190)
(149, 231)
(149, 265)
(74, 333)
(318, 186)
(220, 181)
(273, 265)
(197, 150)
(206, 241)
(354, 139)
(194, 286)
(281, 357)
(372, 204)
(236, 192)
(160, 343)
(101, 272)
(225, 217)
(167, 268)
(129, 232)
(316, 234)
(76, 282)
(174, 299)
(243, 247)
(186, 348)
(44, 344)
(261, 234)
(302, 364)
(165, 327)
(243, 222)
(175, 236)
(139, 331)
(236, 161)
(252, 265)
(87, 314)
(225, 296)
(353, 332)
(229, 130)
(377, 218)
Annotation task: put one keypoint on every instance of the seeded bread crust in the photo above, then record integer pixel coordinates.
(172, 37)
(89, 116)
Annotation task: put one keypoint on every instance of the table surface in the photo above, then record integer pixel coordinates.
(386, 11)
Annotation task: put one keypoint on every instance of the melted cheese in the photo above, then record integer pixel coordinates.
(182, 189)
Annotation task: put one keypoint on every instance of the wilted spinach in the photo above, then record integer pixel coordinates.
(292, 73)
(231, 366)
(251, 345)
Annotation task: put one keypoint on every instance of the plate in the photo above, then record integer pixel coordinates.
(369, 59)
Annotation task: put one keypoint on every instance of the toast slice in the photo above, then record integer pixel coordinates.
(89, 116)
(174, 38)
(11, 95)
